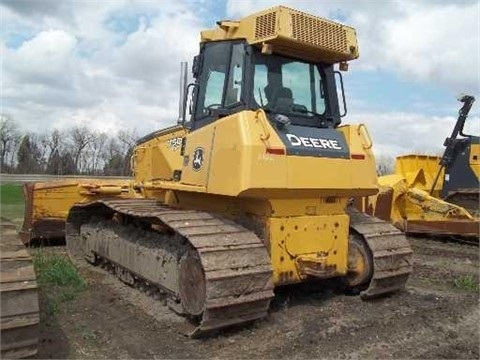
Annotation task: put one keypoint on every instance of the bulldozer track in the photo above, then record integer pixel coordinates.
(211, 269)
(19, 298)
(391, 252)
(223, 270)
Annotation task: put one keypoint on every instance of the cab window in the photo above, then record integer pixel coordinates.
(220, 83)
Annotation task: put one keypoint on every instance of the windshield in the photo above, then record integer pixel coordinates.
(288, 86)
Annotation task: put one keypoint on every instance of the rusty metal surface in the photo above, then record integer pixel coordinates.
(25, 233)
(225, 270)
(44, 229)
(18, 297)
(383, 208)
(392, 254)
(447, 228)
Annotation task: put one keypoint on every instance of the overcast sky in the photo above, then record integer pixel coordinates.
(115, 64)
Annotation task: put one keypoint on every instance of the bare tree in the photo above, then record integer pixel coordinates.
(14, 146)
(80, 137)
(127, 139)
(385, 164)
(113, 158)
(52, 141)
(29, 156)
(55, 145)
(96, 147)
(8, 138)
(78, 149)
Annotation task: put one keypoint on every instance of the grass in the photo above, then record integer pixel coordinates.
(56, 270)
(467, 282)
(86, 332)
(58, 279)
(12, 205)
(11, 194)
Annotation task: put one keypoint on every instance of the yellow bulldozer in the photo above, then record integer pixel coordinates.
(433, 195)
(249, 192)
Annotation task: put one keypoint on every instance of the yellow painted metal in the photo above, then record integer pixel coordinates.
(475, 159)
(293, 33)
(240, 179)
(431, 208)
(420, 171)
(237, 163)
(308, 245)
(405, 196)
(330, 205)
(158, 157)
(297, 204)
(51, 201)
(202, 139)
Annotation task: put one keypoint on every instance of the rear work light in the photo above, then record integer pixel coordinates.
(276, 151)
(357, 156)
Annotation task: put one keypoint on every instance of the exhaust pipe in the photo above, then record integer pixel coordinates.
(182, 102)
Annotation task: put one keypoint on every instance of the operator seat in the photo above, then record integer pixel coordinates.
(278, 97)
(283, 99)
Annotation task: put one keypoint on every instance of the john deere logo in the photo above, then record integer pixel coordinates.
(197, 159)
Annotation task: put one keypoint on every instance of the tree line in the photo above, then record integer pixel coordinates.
(78, 150)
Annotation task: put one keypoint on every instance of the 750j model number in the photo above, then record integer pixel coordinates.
(175, 143)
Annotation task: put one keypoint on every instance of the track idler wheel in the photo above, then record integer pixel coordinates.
(192, 283)
(360, 263)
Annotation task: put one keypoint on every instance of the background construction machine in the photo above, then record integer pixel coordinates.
(251, 191)
(435, 195)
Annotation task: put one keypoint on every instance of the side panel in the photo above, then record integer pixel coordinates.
(240, 160)
(197, 158)
(158, 156)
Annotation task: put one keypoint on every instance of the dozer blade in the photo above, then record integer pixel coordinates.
(415, 212)
(467, 229)
(47, 204)
(457, 215)
(36, 226)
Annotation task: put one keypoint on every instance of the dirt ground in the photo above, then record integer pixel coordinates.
(433, 318)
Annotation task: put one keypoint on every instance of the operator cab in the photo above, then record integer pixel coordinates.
(232, 76)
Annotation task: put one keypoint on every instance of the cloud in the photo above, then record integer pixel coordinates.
(79, 73)
(397, 133)
(433, 41)
(38, 60)
(150, 51)
(29, 7)
(424, 50)
(115, 64)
